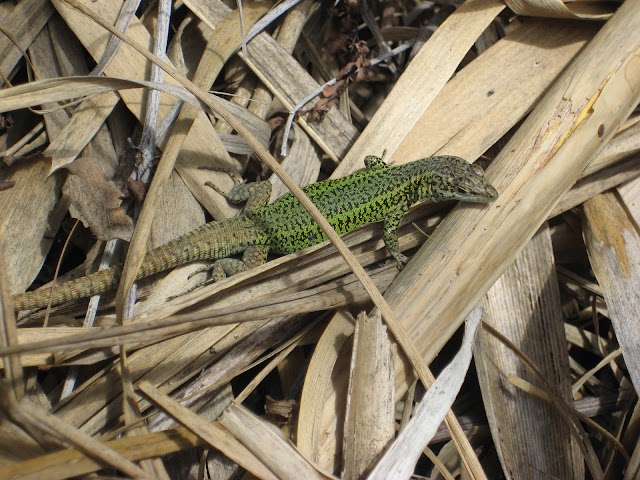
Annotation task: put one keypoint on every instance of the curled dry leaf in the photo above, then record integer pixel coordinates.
(95, 200)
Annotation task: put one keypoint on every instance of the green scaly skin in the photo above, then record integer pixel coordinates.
(379, 193)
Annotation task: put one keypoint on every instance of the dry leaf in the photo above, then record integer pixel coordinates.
(96, 200)
(7, 185)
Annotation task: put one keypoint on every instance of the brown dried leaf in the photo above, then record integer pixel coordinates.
(95, 200)
(332, 91)
(137, 189)
(6, 185)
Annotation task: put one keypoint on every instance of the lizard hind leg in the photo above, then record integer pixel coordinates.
(226, 267)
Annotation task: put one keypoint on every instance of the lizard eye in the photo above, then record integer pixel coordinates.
(476, 170)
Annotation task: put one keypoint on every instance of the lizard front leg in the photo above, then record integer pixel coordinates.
(373, 162)
(390, 234)
(253, 195)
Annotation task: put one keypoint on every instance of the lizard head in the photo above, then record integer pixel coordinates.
(453, 178)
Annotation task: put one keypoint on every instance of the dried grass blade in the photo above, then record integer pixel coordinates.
(268, 445)
(27, 19)
(524, 305)
(27, 413)
(216, 436)
(613, 245)
(320, 390)
(475, 245)
(370, 424)
(400, 459)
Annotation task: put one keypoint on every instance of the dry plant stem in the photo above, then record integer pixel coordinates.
(13, 149)
(606, 361)
(633, 469)
(370, 422)
(474, 246)
(28, 18)
(133, 262)
(13, 373)
(36, 143)
(274, 13)
(27, 413)
(613, 245)
(524, 304)
(269, 445)
(132, 418)
(131, 410)
(598, 182)
(148, 140)
(213, 434)
(624, 144)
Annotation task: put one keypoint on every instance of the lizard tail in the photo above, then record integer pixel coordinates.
(94, 284)
(209, 242)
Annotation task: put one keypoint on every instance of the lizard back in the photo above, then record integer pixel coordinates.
(367, 197)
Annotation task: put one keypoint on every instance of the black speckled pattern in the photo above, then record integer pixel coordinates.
(380, 193)
(369, 196)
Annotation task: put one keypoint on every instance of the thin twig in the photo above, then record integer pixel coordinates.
(287, 128)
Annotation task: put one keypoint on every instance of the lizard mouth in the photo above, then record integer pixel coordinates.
(477, 193)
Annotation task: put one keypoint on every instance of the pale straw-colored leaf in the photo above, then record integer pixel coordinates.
(533, 171)
(369, 424)
(216, 436)
(268, 445)
(524, 305)
(613, 245)
(302, 163)
(399, 460)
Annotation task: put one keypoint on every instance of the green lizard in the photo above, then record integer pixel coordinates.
(379, 193)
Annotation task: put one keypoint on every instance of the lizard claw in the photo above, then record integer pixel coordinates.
(401, 260)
